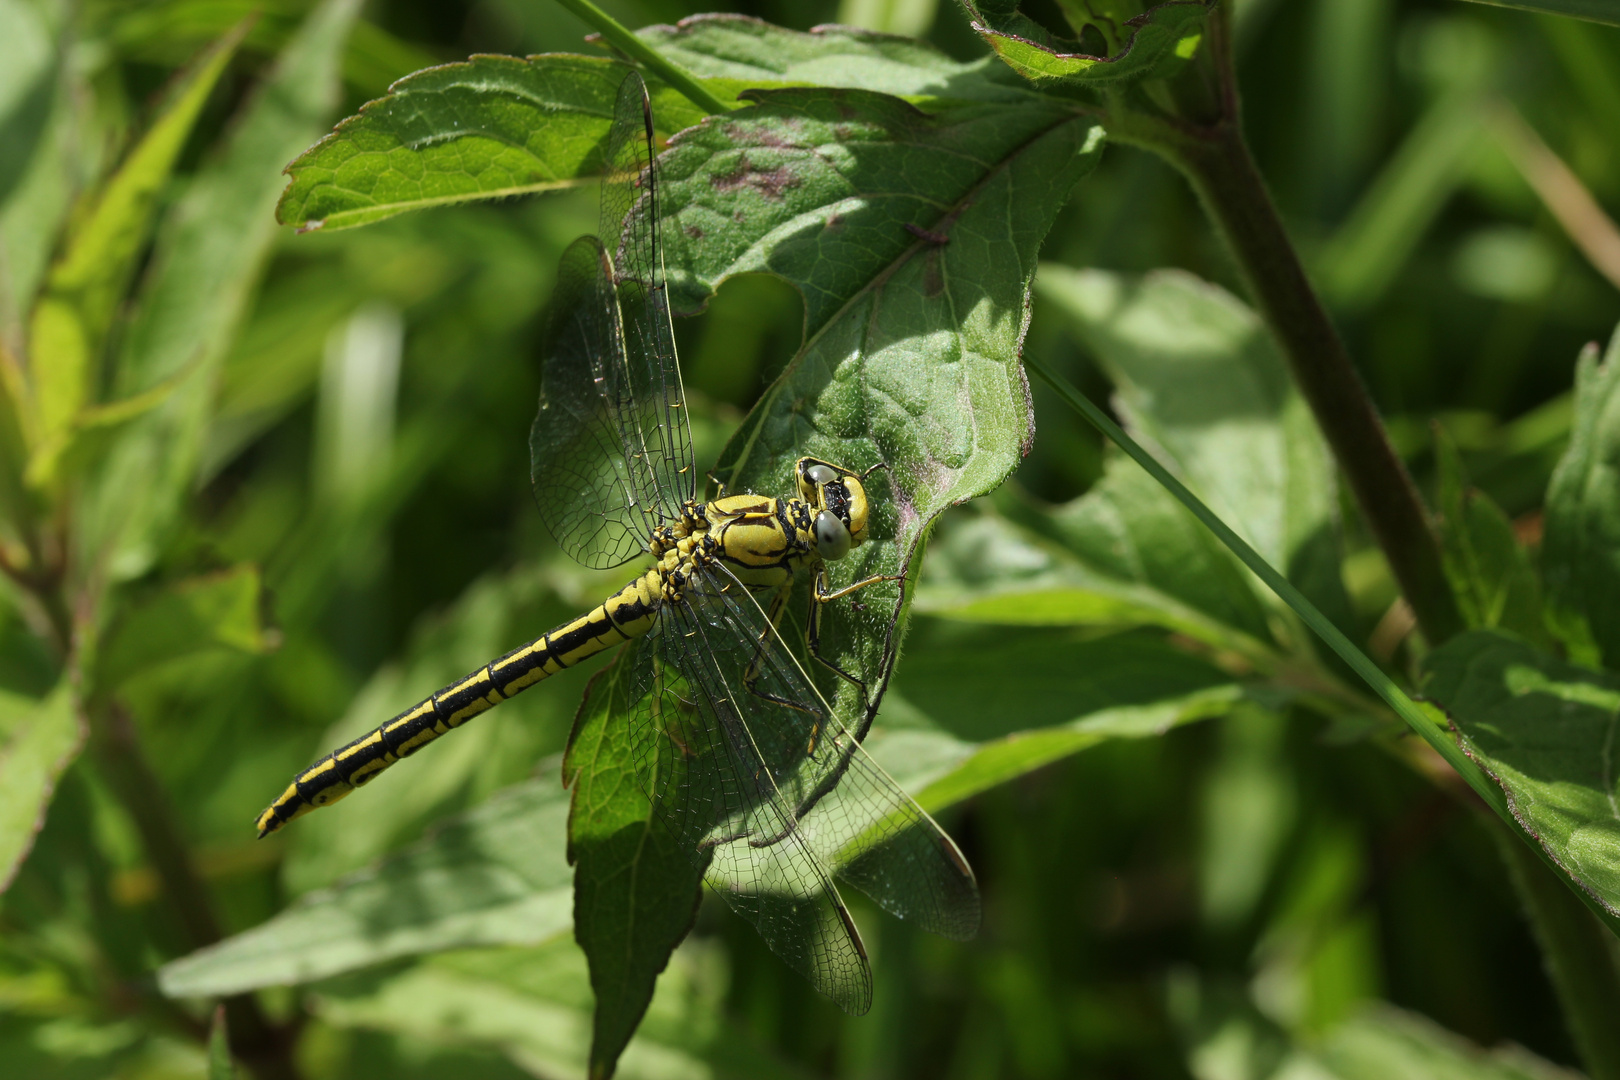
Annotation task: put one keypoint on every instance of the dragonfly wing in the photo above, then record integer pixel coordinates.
(754, 769)
(875, 837)
(610, 452)
(708, 787)
(656, 431)
(592, 497)
(848, 812)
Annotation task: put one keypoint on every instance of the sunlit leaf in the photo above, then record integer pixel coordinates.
(1199, 377)
(912, 333)
(1544, 730)
(491, 127)
(1123, 554)
(41, 739)
(1385, 1041)
(72, 316)
(961, 677)
(494, 876)
(1225, 1036)
(1580, 557)
(941, 769)
(635, 889)
(750, 53)
(497, 126)
(1149, 43)
(915, 303)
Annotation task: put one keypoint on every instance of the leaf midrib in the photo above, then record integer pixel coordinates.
(877, 280)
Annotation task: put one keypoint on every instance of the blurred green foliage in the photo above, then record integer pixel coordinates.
(292, 474)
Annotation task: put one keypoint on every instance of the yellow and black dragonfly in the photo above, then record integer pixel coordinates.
(744, 760)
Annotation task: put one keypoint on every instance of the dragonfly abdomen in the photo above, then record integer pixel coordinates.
(628, 613)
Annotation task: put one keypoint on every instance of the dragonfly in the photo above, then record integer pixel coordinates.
(746, 763)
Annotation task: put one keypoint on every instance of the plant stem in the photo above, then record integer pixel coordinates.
(632, 46)
(1580, 959)
(1216, 161)
(1404, 707)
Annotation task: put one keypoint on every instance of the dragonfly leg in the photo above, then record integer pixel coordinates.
(751, 677)
(822, 596)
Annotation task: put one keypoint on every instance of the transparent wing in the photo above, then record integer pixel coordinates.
(746, 762)
(852, 816)
(656, 430)
(611, 452)
(593, 499)
(709, 790)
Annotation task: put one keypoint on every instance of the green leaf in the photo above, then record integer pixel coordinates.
(1598, 11)
(1199, 377)
(45, 125)
(28, 75)
(1151, 43)
(489, 128)
(636, 891)
(1489, 571)
(73, 315)
(494, 876)
(914, 304)
(983, 729)
(201, 613)
(220, 1065)
(41, 739)
(204, 269)
(1577, 952)
(958, 676)
(1131, 530)
(1580, 556)
(1385, 1041)
(744, 52)
(1543, 730)
(1227, 1037)
(940, 770)
(1122, 555)
(88, 434)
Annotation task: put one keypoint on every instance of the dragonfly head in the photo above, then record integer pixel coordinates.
(839, 500)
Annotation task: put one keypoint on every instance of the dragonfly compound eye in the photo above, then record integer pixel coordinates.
(832, 537)
(821, 474)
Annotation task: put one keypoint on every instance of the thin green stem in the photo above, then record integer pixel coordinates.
(1438, 738)
(634, 47)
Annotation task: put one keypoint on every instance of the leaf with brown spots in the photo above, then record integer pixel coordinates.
(912, 236)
